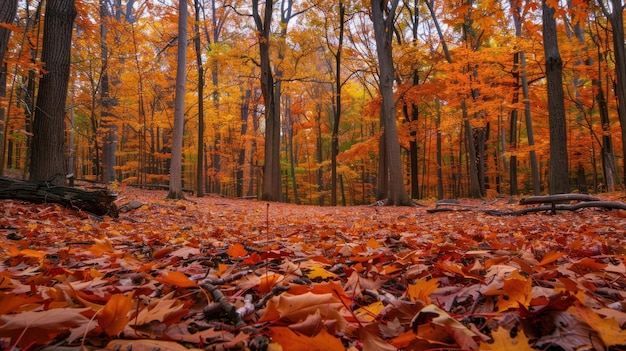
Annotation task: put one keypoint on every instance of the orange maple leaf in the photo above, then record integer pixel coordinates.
(290, 340)
(236, 250)
(422, 290)
(114, 315)
(176, 278)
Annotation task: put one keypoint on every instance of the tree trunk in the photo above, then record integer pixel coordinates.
(200, 156)
(383, 17)
(48, 147)
(440, 193)
(616, 19)
(176, 185)
(337, 108)
(271, 187)
(98, 202)
(8, 9)
(558, 174)
(245, 110)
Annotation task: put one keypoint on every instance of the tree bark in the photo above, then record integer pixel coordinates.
(616, 18)
(98, 202)
(48, 146)
(337, 107)
(8, 9)
(176, 185)
(200, 156)
(558, 181)
(383, 16)
(271, 187)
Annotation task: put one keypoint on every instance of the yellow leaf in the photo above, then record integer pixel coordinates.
(373, 244)
(370, 312)
(608, 329)
(518, 290)
(317, 271)
(422, 290)
(114, 316)
(503, 340)
(101, 246)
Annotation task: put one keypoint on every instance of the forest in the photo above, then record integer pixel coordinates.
(321, 102)
(493, 131)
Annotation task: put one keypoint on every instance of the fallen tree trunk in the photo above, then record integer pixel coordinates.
(98, 202)
(609, 205)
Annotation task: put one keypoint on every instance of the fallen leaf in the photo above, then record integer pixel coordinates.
(176, 278)
(145, 345)
(292, 341)
(114, 315)
(237, 250)
(505, 340)
(422, 289)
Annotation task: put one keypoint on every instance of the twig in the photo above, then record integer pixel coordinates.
(229, 308)
(277, 290)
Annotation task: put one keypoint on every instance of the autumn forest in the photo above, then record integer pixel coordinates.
(469, 94)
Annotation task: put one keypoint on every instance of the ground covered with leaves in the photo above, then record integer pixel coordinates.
(223, 274)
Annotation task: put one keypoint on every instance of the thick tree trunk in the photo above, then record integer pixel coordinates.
(271, 187)
(99, 202)
(176, 184)
(48, 147)
(558, 175)
(383, 17)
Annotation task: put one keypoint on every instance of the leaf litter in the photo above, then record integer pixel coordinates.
(225, 274)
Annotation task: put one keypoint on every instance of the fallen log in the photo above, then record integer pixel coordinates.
(557, 198)
(609, 205)
(99, 202)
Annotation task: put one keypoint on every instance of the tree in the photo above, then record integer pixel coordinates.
(271, 188)
(520, 61)
(383, 15)
(176, 185)
(48, 145)
(616, 19)
(196, 41)
(558, 181)
(8, 8)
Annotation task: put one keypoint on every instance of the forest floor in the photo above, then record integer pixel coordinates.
(225, 274)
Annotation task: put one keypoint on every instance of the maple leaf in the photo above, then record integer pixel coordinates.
(176, 278)
(435, 325)
(505, 340)
(114, 315)
(422, 290)
(370, 312)
(290, 340)
(164, 309)
(289, 309)
(317, 271)
(237, 250)
(607, 328)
